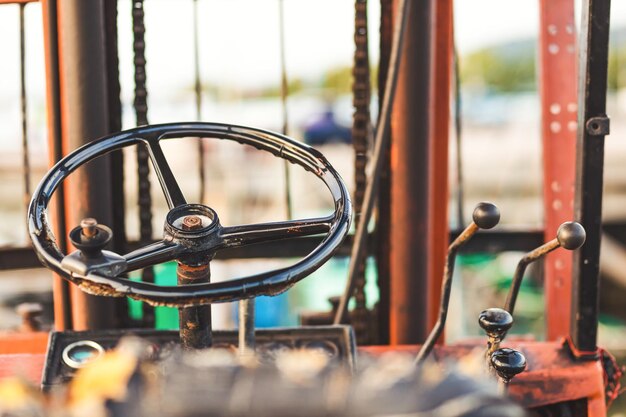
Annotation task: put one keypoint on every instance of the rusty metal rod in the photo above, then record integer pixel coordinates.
(246, 327)
(570, 236)
(485, 216)
(358, 252)
(284, 91)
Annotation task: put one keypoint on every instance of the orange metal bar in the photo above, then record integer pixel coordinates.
(409, 252)
(62, 320)
(558, 69)
(439, 139)
(12, 342)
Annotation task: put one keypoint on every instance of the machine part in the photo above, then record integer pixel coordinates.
(79, 354)
(507, 363)
(246, 327)
(60, 287)
(496, 322)
(570, 236)
(140, 104)
(439, 143)
(338, 344)
(411, 253)
(198, 96)
(195, 246)
(485, 216)
(593, 60)
(361, 133)
(381, 141)
(194, 322)
(557, 87)
(284, 92)
(85, 103)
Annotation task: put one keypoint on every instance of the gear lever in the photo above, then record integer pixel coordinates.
(485, 216)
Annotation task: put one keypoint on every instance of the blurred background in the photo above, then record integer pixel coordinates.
(239, 63)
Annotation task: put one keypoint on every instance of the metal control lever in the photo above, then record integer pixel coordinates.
(485, 216)
(495, 322)
(507, 364)
(570, 236)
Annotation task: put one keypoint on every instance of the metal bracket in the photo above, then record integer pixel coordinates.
(598, 126)
(109, 264)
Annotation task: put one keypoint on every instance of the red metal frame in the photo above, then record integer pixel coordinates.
(558, 80)
(439, 138)
(553, 374)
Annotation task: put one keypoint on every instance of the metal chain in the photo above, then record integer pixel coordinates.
(143, 168)
(361, 129)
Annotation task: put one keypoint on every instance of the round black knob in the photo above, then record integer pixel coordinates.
(508, 363)
(496, 322)
(571, 235)
(486, 215)
(90, 237)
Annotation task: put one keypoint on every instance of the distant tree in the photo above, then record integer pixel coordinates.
(499, 71)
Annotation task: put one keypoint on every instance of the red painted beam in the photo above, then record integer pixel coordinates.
(557, 82)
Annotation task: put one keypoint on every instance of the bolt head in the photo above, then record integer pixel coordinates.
(192, 223)
(486, 215)
(495, 322)
(571, 235)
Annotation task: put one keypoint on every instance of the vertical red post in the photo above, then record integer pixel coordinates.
(410, 252)
(439, 139)
(557, 82)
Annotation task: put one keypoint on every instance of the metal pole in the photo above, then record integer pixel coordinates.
(410, 174)
(85, 117)
(246, 327)
(593, 125)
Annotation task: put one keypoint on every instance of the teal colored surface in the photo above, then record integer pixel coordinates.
(165, 317)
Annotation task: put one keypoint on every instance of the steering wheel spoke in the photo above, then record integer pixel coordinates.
(171, 189)
(152, 254)
(263, 232)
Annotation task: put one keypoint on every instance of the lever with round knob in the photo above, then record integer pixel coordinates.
(507, 363)
(485, 216)
(570, 236)
(495, 322)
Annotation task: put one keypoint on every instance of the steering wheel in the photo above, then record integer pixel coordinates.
(97, 271)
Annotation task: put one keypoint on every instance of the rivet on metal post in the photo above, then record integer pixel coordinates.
(598, 126)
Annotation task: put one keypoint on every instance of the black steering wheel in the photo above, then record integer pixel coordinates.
(99, 272)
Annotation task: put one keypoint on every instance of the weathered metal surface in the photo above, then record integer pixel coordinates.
(557, 86)
(194, 322)
(84, 114)
(361, 134)
(60, 287)
(552, 375)
(381, 142)
(439, 139)
(593, 52)
(410, 250)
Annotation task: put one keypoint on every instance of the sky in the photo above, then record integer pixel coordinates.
(239, 38)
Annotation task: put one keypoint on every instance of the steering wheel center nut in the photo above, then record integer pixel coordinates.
(191, 221)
